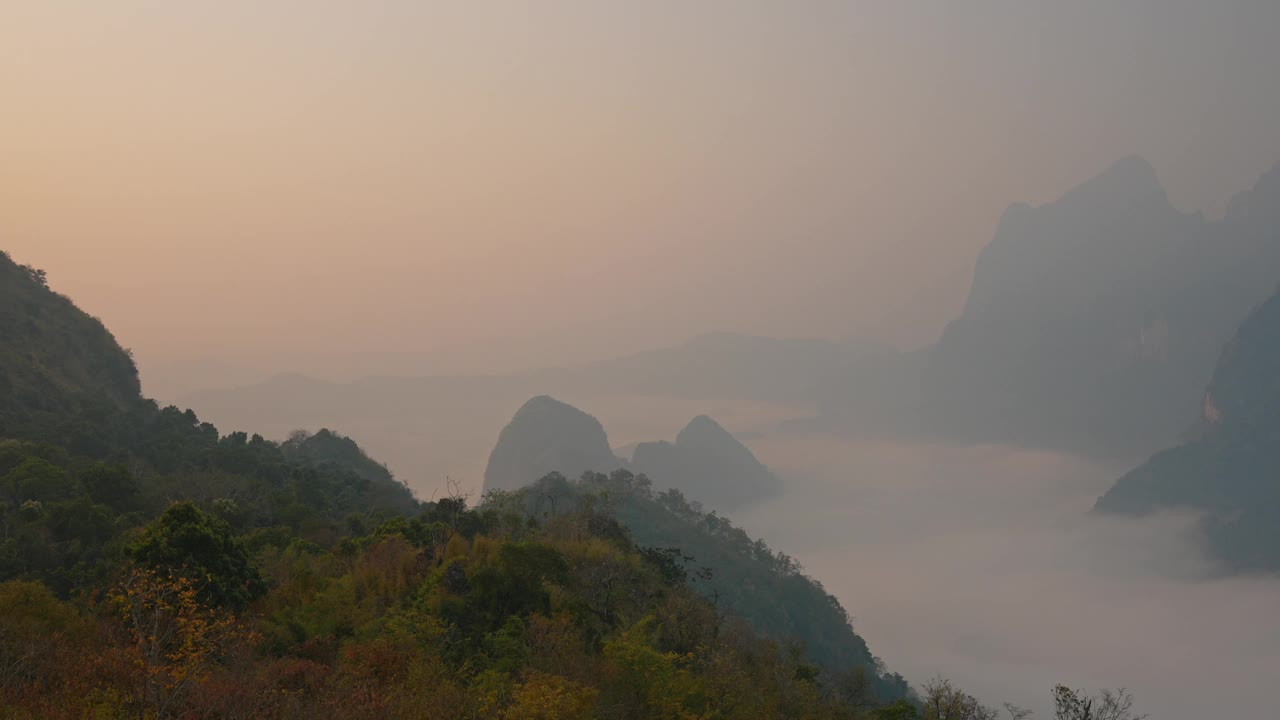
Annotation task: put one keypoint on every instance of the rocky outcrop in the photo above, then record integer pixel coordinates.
(1094, 322)
(707, 464)
(547, 436)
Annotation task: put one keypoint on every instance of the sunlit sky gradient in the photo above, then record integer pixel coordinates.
(491, 185)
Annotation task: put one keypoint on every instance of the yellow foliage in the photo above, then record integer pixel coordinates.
(550, 697)
(387, 569)
(485, 549)
(648, 678)
(173, 636)
(458, 547)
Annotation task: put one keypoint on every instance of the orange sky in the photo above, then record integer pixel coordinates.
(503, 184)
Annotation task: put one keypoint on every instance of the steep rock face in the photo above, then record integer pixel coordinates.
(546, 436)
(58, 365)
(707, 464)
(1230, 466)
(1093, 322)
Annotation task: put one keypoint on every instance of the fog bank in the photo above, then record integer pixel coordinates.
(981, 564)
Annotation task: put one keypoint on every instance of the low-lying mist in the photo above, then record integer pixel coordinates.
(982, 564)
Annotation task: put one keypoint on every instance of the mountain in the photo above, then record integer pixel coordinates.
(708, 464)
(1229, 466)
(60, 369)
(546, 436)
(1093, 322)
(705, 462)
(85, 459)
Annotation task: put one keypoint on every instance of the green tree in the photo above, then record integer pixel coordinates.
(516, 583)
(37, 479)
(186, 540)
(109, 484)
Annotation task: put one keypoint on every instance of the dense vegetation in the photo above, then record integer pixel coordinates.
(453, 613)
(739, 575)
(65, 517)
(271, 584)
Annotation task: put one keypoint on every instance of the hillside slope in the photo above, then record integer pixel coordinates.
(84, 458)
(741, 576)
(58, 366)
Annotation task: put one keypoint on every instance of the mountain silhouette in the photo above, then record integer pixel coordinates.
(545, 436)
(707, 464)
(1094, 322)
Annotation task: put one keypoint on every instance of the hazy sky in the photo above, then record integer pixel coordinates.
(501, 184)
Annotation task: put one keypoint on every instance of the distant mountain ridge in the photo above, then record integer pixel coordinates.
(716, 364)
(1092, 324)
(437, 426)
(1094, 321)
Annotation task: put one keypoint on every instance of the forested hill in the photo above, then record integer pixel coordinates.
(85, 459)
(741, 576)
(58, 366)
(153, 567)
